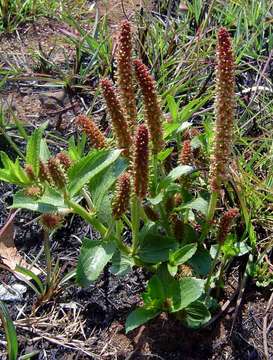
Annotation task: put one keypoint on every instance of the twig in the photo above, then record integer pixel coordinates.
(239, 300)
(222, 311)
(269, 305)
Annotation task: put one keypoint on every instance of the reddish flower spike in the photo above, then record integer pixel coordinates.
(224, 111)
(51, 222)
(64, 160)
(122, 197)
(125, 73)
(185, 156)
(119, 122)
(225, 224)
(33, 191)
(153, 114)
(94, 134)
(44, 174)
(29, 172)
(57, 173)
(141, 159)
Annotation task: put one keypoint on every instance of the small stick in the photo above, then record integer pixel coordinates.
(269, 305)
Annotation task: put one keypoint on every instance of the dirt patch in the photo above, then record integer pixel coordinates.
(117, 10)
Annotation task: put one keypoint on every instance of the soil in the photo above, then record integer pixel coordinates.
(89, 323)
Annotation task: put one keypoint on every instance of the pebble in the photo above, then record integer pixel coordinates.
(13, 292)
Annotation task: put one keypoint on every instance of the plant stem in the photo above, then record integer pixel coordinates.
(221, 273)
(90, 218)
(121, 246)
(48, 259)
(135, 222)
(210, 215)
(88, 199)
(12, 144)
(212, 206)
(155, 175)
(207, 285)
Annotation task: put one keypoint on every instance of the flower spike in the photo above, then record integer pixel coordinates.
(51, 222)
(225, 224)
(153, 112)
(185, 156)
(224, 111)
(141, 157)
(64, 159)
(94, 134)
(117, 116)
(125, 73)
(122, 197)
(57, 172)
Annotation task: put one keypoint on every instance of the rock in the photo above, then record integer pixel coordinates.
(13, 292)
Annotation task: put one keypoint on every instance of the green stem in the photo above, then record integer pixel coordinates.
(118, 239)
(220, 277)
(212, 206)
(154, 176)
(90, 218)
(127, 221)
(135, 222)
(210, 215)
(213, 266)
(12, 144)
(88, 199)
(48, 259)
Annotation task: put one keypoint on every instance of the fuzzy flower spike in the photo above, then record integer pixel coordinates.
(122, 196)
(141, 161)
(119, 122)
(153, 112)
(125, 73)
(224, 111)
(94, 134)
(225, 224)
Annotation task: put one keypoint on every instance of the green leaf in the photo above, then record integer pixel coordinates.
(44, 151)
(173, 107)
(190, 290)
(172, 269)
(76, 151)
(176, 173)
(121, 264)
(12, 171)
(201, 261)
(156, 200)
(198, 204)
(28, 273)
(231, 247)
(94, 255)
(10, 332)
(33, 148)
(164, 154)
(195, 315)
(178, 293)
(183, 254)
(100, 184)
(89, 166)
(51, 201)
(193, 106)
(138, 317)
(154, 248)
(185, 125)
(169, 129)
